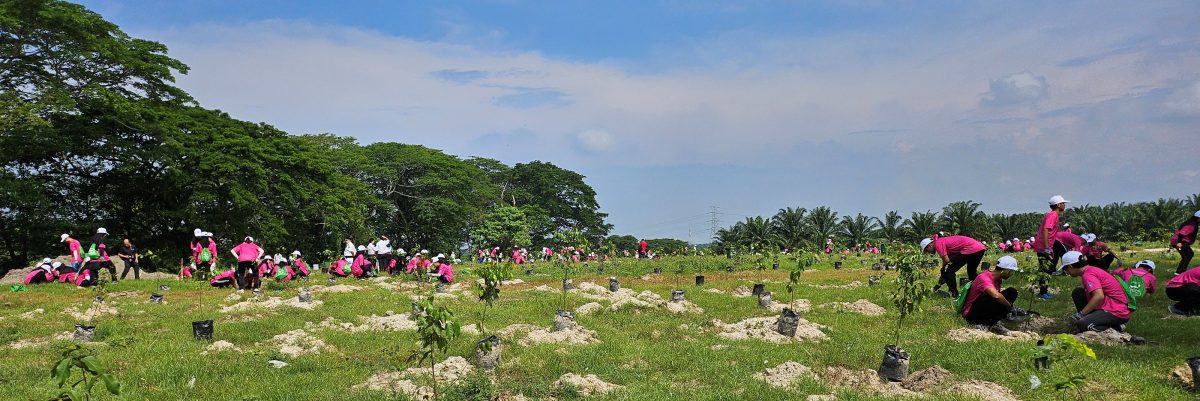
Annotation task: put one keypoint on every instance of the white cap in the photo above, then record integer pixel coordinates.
(1066, 225)
(1089, 237)
(362, 248)
(63, 237)
(1031, 238)
(56, 264)
(1070, 258)
(1007, 262)
(206, 234)
(1197, 214)
(47, 260)
(424, 251)
(1056, 199)
(197, 233)
(1008, 242)
(249, 238)
(101, 230)
(295, 253)
(925, 243)
(1147, 263)
(440, 256)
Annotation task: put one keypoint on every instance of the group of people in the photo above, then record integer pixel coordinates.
(84, 264)
(1105, 299)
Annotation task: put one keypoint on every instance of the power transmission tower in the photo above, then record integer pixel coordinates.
(712, 213)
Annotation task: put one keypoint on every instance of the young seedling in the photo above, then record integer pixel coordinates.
(436, 328)
(794, 279)
(1053, 350)
(90, 372)
(911, 290)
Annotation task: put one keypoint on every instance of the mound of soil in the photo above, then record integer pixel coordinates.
(221, 346)
(850, 286)
(33, 314)
(575, 335)
(798, 306)
(684, 306)
(299, 342)
(271, 304)
(334, 289)
(763, 328)
(1042, 324)
(587, 385)
(862, 306)
(450, 371)
(714, 290)
(965, 334)
(984, 390)
(63, 336)
(929, 379)
(1106, 337)
(741, 292)
(86, 315)
(1182, 375)
(784, 374)
(865, 380)
(588, 308)
(542, 288)
(390, 321)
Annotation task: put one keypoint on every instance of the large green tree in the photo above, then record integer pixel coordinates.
(560, 199)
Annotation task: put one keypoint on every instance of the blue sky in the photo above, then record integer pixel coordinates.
(672, 107)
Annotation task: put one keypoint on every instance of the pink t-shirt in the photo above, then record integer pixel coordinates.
(1191, 276)
(1184, 235)
(1003, 246)
(446, 271)
(412, 265)
(1094, 250)
(212, 250)
(426, 263)
(982, 282)
(1069, 240)
(1151, 281)
(1114, 296)
(246, 252)
(76, 250)
(1049, 222)
(955, 245)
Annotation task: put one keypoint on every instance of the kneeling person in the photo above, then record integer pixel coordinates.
(1101, 302)
(1184, 289)
(985, 303)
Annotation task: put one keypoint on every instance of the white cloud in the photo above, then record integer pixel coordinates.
(1020, 88)
(596, 140)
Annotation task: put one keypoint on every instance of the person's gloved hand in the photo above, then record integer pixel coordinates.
(1045, 252)
(1076, 317)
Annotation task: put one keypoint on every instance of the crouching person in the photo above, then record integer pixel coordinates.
(985, 304)
(224, 279)
(1101, 302)
(1184, 289)
(44, 273)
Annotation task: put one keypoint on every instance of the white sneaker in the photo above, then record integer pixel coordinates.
(999, 329)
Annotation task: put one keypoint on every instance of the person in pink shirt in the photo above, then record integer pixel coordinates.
(1182, 240)
(1069, 240)
(300, 268)
(74, 249)
(1143, 269)
(444, 272)
(361, 266)
(43, 273)
(516, 256)
(1004, 246)
(1184, 289)
(100, 259)
(247, 253)
(340, 268)
(986, 304)
(223, 279)
(1097, 252)
(413, 264)
(955, 251)
(1049, 251)
(1100, 303)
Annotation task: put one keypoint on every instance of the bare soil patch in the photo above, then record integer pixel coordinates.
(763, 328)
(862, 307)
(587, 385)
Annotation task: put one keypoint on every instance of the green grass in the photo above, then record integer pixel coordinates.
(150, 350)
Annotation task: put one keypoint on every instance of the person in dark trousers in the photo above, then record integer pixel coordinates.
(248, 254)
(1100, 301)
(986, 304)
(129, 255)
(1049, 250)
(97, 256)
(955, 251)
(1183, 239)
(1097, 252)
(1184, 289)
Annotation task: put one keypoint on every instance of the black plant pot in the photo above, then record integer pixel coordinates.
(305, 295)
(563, 320)
(1042, 363)
(332, 281)
(677, 295)
(729, 269)
(1194, 364)
(895, 364)
(529, 271)
(99, 299)
(657, 270)
(699, 280)
(758, 289)
(202, 329)
(613, 284)
(487, 353)
(774, 266)
(787, 323)
(84, 333)
(164, 287)
(567, 284)
(156, 298)
(837, 264)
(764, 299)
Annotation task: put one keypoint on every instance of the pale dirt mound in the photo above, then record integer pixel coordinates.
(1182, 375)
(1106, 337)
(865, 380)
(622, 298)
(784, 374)
(588, 308)
(233, 297)
(576, 335)
(1042, 324)
(33, 314)
(299, 342)
(334, 289)
(542, 288)
(514, 281)
(821, 397)
(382, 282)
(929, 379)
(123, 294)
(965, 334)
(450, 371)
(471, 329)
(684, 306)
(1033, 288)
(714, 290)
(741, 292)
(42, 341)
(798, 306)
(17, 276)
(390, 321)
(221, 346)
(984, 390)
(271, 303)
(763, 328)
(512, 330)
(850, 286)
(97, 309)
(587, 385)
(862, 306)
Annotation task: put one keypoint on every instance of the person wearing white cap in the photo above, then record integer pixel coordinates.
(361, 267)
(349, 250)
(1050, 251)
(299, 268)
(1140, 277)
(985, 304)
(247, 253)
(74, 249)
(97, 256)
(1182, 240)
(44, 273)
(1097, 252)
(1100, 302)
(383, 250)
(1067, 227)
(955, 251)
(444, 271)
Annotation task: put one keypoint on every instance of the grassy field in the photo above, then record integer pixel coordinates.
(655, 354)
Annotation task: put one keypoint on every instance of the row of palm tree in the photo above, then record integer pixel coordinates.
(801, 228)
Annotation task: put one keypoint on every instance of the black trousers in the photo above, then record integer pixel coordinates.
(1098, 320)
(1187, 297)
(989, 311)
(137, 270)
(247, 267)
(1050, 264)
(1104, 262)
(1185, 258)
(95, 265)
(970, 260)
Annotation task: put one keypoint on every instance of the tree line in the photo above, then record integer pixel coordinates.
(801, 228)
(95, 133)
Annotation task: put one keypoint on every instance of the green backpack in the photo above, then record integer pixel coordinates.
(346, 268)
(1134, 289)
(962, 298)
(280, 273)
(93, 253)
(205, 255)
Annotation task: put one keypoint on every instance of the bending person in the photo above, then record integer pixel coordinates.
(956, 251)
(1101, 302)
(1184, 289)
(1183, 239)
(247, 254)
